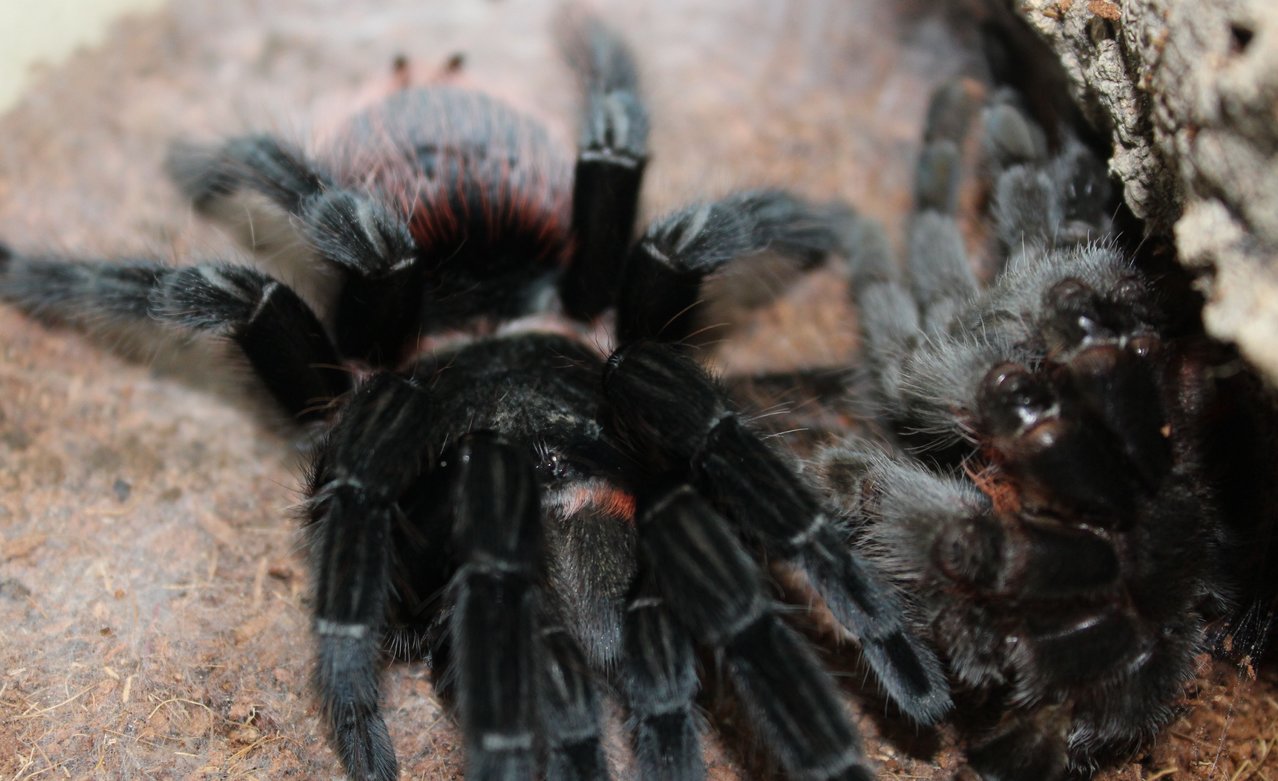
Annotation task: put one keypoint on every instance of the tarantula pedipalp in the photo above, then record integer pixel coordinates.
(1045, 495)
(476, 491)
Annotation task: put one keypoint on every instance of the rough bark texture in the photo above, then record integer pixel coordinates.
(1189, 91)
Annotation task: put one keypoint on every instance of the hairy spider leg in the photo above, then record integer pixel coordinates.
(662, 285)
(660, 684)
(371, 456)
(716, 590)
(276, 331)
(611, 155)
(367, 247)
(691, 430)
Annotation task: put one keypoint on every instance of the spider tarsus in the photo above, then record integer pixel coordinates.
(722, 603)
(668, 748)
(259, 163)
(346, 676)
(908, 670)
(660, 682)
(795, 702)
(570, 711)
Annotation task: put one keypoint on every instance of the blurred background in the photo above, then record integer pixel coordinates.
(45, 33)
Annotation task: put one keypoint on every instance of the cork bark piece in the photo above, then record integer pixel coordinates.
(1187, 90)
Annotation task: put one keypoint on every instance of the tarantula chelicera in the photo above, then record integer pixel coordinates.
(492, 487)
(1042, 490)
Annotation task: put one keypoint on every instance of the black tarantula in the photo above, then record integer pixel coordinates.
(491, 486)
(1042, 490)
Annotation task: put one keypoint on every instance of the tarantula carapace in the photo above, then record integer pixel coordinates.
(1040, 484)
(490, 485)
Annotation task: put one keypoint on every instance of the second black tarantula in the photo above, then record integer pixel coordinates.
(492, 487)
(1043, 492)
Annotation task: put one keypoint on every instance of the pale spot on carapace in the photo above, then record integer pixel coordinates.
(598, 495)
